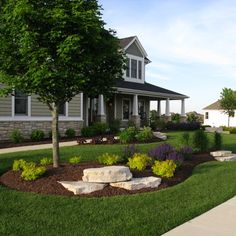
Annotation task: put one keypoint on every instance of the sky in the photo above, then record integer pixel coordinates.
(191, 43)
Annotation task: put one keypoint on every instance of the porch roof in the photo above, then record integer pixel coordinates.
(147, 89)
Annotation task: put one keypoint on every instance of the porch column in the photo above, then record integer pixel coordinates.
(159, 108)
(183, 115)
(101, 116)
(87, 102)
(135, 116)
(167, 114)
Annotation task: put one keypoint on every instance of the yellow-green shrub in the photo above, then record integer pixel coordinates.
(108, 159)
(75, 160)
(18, 165)
(164, 168)
(46, 161)
(32, 173)
(139, 161)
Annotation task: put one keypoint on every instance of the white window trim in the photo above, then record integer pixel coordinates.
(136, 80)
(127, 99)
(13, 113)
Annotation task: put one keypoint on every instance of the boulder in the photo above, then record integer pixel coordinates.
(231, 157)
(108, 174)
(221, 153)
(80, 187)
(160, 135)
(138, 183)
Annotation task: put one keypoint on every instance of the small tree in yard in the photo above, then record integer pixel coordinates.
(228, 102)
(57, 49)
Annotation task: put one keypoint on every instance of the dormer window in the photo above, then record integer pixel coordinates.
(134, 68)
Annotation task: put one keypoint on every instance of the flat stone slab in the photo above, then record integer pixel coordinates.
(108, 174)
(160, 135)
(221, 153)
(138, 183)
(80, 187)
(227, 158)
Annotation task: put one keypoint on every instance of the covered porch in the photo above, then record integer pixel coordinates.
(131, 103)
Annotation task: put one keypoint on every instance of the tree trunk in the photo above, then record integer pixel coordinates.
(55, 136)
(228, 119)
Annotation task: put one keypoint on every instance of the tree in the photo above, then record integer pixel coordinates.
(228, 102)
(57, 49)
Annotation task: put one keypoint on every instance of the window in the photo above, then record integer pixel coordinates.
(206, 115)
(128, 67)
(141, 110)
(133, 68)
(126, 109)
(21, 103)
(139, 69)
(62, 109)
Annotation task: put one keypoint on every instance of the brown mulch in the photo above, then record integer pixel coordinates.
(48, 183)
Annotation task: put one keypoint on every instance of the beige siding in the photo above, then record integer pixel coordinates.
(74, 106)
(5, 106)
(38, 108)
(134, 50)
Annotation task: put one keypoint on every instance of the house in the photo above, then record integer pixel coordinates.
(215, 116)
(131, 101)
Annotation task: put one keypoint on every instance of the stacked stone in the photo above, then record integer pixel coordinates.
(95, 179)
(224, 155)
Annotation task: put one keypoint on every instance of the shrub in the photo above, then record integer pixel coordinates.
(217, 140)
(232, 130)
(139, 161)
(100, 128)
(161, 152)
(75, 160)
(32, 173)
(37, 135)
(87, 131)
(157, 123)
(46, 161)
(185, 138)
(16, 136)
(175, 156)
(114, 126)
(183, 126)
(145, 134)
(200, 140)
(164, 168)
(129, 151)
(70, 133)
(108, 159)
(128, 135)
(186, 152)
(18, 165)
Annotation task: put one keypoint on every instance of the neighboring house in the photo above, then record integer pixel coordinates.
(215, 116)
(131, 101)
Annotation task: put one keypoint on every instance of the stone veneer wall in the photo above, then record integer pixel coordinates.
(26, 127)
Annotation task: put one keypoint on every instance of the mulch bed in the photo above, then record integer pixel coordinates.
(48, 183)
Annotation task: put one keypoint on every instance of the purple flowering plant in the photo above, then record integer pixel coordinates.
(161, 152)
(186, 152)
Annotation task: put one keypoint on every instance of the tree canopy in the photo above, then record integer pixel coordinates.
(228, 102)
(57, 49)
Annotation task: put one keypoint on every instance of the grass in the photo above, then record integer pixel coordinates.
(144, 214)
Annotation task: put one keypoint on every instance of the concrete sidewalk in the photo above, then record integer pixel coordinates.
(35, 147)
(219, 221)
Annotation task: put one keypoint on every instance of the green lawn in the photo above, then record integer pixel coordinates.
(144, 214)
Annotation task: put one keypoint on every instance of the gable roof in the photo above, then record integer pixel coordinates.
(214, 106)
(146, 87)
(126, 41)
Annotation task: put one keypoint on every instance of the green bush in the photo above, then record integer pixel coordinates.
(217, 140)
(70, 133)
(100, 128)
(114, 126)
(128, 135)
(144, 135)
(46, 161)
(37, 135)
(200, 140)
(185, 139)
(75, 160)
(32, 173)
(108, 159)
(87, 131)
(139, 161)
(18, 165)
(231, 129)
(16, 136)
(164, 168)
